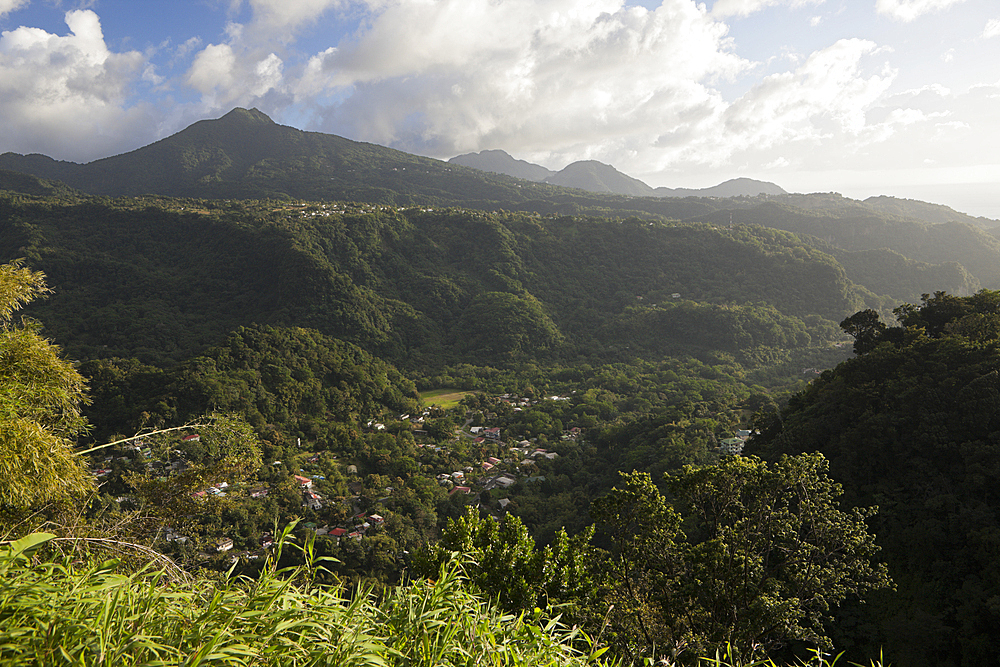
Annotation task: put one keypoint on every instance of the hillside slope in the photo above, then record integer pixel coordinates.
(160, 278)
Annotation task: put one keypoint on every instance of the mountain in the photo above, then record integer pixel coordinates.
(933, 213)
(245, 154)
(599, 177)
(736, 187)
(500, 162)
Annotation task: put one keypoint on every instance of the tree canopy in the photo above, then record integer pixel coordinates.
(744, 554)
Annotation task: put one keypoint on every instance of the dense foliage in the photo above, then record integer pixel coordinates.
(41, 401)
(161, 280)
(911, 425)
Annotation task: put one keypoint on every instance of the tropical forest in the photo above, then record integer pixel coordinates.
(272, 397)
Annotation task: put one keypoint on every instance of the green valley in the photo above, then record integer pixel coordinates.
(641, 414)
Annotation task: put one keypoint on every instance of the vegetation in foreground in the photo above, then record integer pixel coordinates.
(58, 611)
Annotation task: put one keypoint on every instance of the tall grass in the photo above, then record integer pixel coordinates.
(55, 612)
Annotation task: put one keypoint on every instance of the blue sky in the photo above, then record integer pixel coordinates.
(863, 97)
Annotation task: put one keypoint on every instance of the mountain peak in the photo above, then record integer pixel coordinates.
(500, 162)
(248, 116)
(599, 177)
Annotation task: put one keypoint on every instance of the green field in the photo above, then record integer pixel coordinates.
(444, 398)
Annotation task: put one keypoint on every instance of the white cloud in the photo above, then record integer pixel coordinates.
(267, 75)
(225, 79)
(7, 6)
(827, 96)
(909, 10)
(213, 69)
(559, 79)
(725, 8)
(67, 94)
(992, 29)
(285, 16)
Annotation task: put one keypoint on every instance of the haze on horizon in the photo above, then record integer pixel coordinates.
(863, 97)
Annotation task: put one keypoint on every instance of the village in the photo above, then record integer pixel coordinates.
(476, 459)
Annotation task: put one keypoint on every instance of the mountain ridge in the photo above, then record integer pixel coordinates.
(246, 155)
(595, 176)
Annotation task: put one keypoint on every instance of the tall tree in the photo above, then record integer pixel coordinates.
(41, 396)
(747, 555)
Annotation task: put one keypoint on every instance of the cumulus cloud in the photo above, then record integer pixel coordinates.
(826, 97)
(66, 93)
(909, 10)
(564, 80)
(7, 6)
(561, 79)
(283, 18)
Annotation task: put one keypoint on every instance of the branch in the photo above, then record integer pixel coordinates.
(137, 436)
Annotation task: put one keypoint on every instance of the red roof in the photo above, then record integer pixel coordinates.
(337, 532)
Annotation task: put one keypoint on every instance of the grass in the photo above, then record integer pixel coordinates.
(443, 398)
(58, 612)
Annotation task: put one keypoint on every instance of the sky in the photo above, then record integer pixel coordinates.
(861, 97)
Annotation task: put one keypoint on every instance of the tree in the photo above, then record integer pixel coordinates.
(866, 328)
(747, 555)
(501, 560)
(501, 557)
(41, 396)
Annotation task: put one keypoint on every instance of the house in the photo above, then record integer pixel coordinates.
(460, 489)
(376, 519)
(338, 532)
(494, 460)
(731, 447)
(487, 466)
(304, 481)
(505, 482)
(492, 433)
(170, 536)
(194, 437)
(458, 475)
(224, 544)
(312, 500)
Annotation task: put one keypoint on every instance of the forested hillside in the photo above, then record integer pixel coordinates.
(161, 279)
(911, 424)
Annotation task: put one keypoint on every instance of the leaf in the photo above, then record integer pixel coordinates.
(24, 546)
